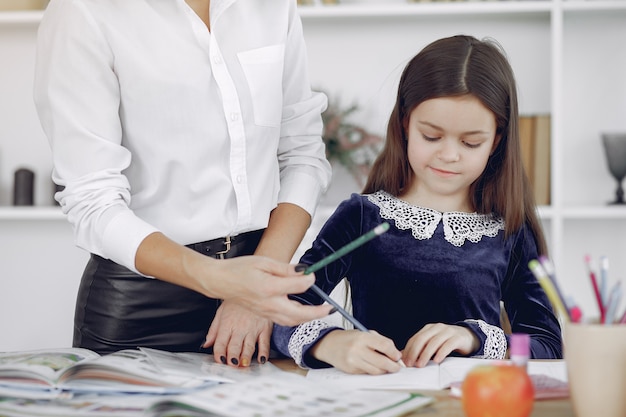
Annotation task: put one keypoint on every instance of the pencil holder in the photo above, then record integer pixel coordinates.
(595, 355)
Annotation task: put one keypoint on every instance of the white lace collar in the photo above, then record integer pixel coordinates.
(457, 226)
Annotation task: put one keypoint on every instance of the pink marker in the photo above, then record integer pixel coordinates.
(519, 351)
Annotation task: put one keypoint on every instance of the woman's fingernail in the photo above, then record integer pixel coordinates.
(234, 361)
(332, 311)
(223, 359)
(245, 362)
(300, 267)
(263, 359)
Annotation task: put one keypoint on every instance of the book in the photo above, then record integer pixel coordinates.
(52, 373)
(435, 376)
(273, 394)
(534, 131)
(80, 405)
(541, 183)
(288, 395)
(546, 387)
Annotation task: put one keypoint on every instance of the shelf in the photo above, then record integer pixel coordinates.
(594, 212)
(538, 7)
(31, 213)
(595, 5)
(425, 9)
(26, 17)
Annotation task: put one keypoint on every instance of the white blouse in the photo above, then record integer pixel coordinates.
(157, 124)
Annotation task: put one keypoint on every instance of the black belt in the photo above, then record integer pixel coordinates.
(229, 246)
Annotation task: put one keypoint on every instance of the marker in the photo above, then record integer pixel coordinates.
(377, 231)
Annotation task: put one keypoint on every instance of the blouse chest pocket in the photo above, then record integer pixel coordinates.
(263, 68)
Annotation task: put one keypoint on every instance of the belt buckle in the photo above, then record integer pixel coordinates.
(221, 254)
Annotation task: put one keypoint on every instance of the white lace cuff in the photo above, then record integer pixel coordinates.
(495, 345)
(304, 335)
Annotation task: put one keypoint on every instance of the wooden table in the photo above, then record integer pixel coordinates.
(448, 406)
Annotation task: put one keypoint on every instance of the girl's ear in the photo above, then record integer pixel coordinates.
(496, 142)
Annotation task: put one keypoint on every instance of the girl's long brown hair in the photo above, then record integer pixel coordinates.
(456, 66)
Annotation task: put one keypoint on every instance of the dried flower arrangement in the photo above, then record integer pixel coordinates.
(351, 145)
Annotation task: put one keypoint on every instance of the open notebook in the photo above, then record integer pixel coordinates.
(549, 377)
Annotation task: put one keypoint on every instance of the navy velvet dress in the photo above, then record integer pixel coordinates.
(429, 267)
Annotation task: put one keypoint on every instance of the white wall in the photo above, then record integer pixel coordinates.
(39, 272)
(22, 142)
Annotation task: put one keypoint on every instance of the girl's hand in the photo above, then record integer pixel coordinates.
(436, 341)
(357, 352)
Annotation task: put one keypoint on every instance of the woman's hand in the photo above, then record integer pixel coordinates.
(436, 341)
(257, 283)
(357, 352)
(261, 285)
(235, 333)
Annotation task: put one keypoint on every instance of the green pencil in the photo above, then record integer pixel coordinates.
(377, 231)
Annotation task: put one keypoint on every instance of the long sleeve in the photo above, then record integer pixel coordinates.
(526, 303)
(304, 170)
(157, 124)
(342, 227)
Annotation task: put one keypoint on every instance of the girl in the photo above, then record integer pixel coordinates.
(450, 182)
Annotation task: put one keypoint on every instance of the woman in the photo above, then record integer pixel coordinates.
(181, 129)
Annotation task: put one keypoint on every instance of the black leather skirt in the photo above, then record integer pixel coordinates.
(119, 309)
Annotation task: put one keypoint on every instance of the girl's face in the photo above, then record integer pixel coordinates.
(449, 142)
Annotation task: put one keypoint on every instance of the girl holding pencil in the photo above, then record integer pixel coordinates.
(463, 227)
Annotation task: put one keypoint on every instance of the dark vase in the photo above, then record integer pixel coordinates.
(615, 150)
(23, 187)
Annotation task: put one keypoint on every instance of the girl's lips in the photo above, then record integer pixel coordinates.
(443, 172)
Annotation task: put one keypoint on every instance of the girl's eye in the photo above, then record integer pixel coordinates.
(471, 145)
(429, 139)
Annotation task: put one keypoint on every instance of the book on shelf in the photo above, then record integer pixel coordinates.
(534, 133)
(549, 376)
(55, 372)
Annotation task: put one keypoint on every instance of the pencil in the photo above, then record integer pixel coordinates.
(549, 269)
(549, 289)
(596, 289)
(377, 231)
(604, 280)
(615, 297)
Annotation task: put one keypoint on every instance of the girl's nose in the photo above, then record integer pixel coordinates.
(449, 151)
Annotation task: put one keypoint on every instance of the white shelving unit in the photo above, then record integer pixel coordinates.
(569, 58)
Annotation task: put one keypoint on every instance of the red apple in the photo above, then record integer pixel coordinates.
(497, 391)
